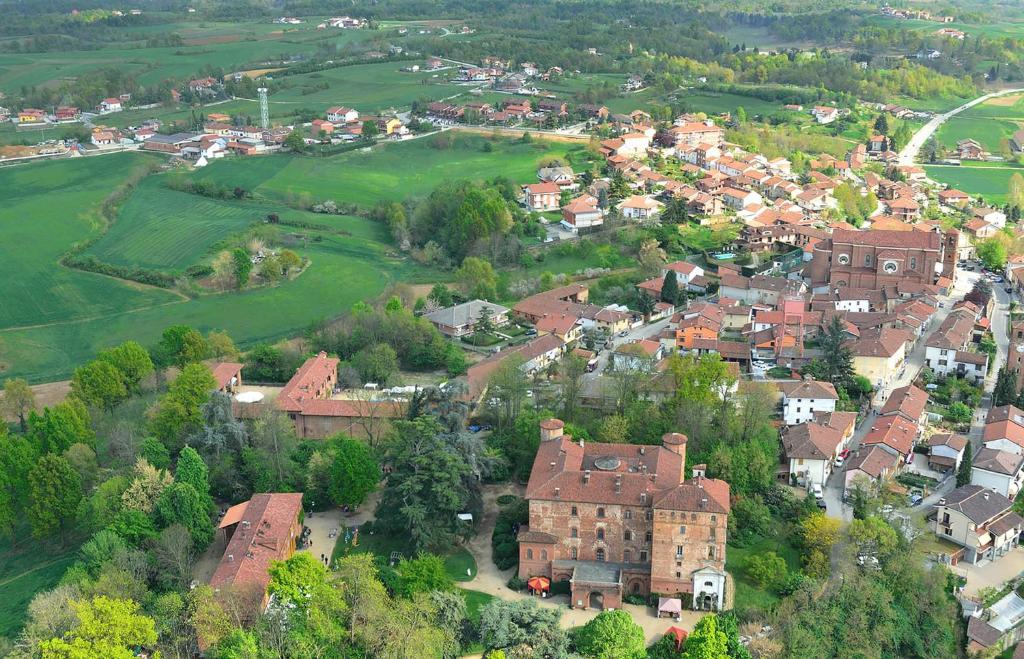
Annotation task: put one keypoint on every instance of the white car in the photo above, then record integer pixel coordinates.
(839, 462)
(818, 494)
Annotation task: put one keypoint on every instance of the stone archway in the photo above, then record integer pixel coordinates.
(596, 601)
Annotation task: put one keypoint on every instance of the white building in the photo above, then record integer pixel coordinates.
(801, 400)
(342, 115)
(999, 471)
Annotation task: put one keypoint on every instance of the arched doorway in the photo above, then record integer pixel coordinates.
(596, 601)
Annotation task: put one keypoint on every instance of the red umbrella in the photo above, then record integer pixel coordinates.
(539, 583)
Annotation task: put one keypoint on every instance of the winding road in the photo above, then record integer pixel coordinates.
(908, 154)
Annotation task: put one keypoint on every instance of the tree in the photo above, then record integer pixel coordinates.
(958, 412)
(611, 635)
(17, 459)
(354, 472)
(61, 426)
(882, 124)
(522, 628)
(740, 115)
(173, 553)
(963, 472)
(18, 400)
(55, 490)
(837, 357)
(131, 360)
(83, 460)
(100, 384)
(242, 267)
(180, 345)
(874, 534)
(818, 533)
(1015, 190)
(295, 141)
(644, 303)
(109, 628)
(376, 363)
(146, 487)
(707, 641)
(571, 369)
(478, 278)
(221, 346)
(273, 435)
(192, 470)
(423, 574)
(651, 256)
(993, 252)
(179, 411)
(670, 288)
(508, 385)
(179, 503)
(766, 570)
(370, 129)
(1005, 392)
(429, 485)
(614, 429)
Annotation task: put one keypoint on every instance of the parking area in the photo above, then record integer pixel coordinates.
(992, 574)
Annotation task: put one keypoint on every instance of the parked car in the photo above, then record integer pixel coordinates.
(532, 331)
(822, 505)
(839, 462)
(624, 333)
(818, 494)
(1008, 289)
(474, 428)
(867, 562)
(916, 499)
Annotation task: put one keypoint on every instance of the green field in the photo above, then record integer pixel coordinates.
(989, 132)
(230, 46)
(396, 171)
(990, 182)
(995, 30)
(23, 573)
(366, 87)
(748, 594)
(161, 229)
(53, 318)
(1010, 106)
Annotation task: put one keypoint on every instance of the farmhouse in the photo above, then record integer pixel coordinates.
(802, 400)
(461, 319)
(110, 105)
(341, 115)
(623, 519)
(31, 116)
(639, 207)
(259, 531)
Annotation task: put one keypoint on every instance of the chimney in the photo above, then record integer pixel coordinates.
(643, 450)
(942, 501)
(986, 495)
(558, 492)
(551, 429)
(553, 464)
(231, 558)
(699, 470)
(618, 484)
(586, 476)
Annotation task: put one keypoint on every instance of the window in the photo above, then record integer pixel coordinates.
(599, 555)
(712, 535)
(867, 260)
(600, 534)
(714, 519)
(573, 553)
(679, 551)
(529, 554)
(627, 535)
(647, 537)
(843, 259)
(600, 512)
(574, 532)
(643, 557)
(711, 551)
(574, 513)
(649, 515)
(913, 263)
(679, 575)
(627, 514)
(693, 517)
(626, 556)
(543, 554)
(682, 530)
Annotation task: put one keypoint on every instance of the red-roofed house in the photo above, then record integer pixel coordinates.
(259, 531)
(228, 375)
(582, 213)
(622, 519)
(542, 196)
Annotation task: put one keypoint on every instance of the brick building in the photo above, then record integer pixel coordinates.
(876, 259)
(623, 519)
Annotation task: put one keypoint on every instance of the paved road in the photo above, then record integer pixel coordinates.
(909, 153)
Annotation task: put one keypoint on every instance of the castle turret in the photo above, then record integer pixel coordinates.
(551, 429)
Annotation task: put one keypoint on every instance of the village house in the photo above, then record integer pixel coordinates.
(953, 198)
(66, 113)
(259, 531)
(172, 144)
(980, 521)
(536, 354)
(582, 213)
(880, 354)
(801, 400)
(945, 451)
(869, 465)
(639, 356)
(968, 149)
(824, 114)
(810, 448)
(461, 319)
(342, 115)
(999, 471)
(622, 519)
(1004, 429)
(946, 351)
(992, 216)
(895, 434)
(31, 116)
(543, 196)
(108, 105)
(639, 207)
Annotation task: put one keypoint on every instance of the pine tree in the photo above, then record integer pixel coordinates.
(670, 288)
(1005, 391)
(963, 474)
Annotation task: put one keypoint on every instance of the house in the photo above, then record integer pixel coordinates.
(909, 402)
(979, 228)
(980, 521)
(172, 144)
(968, 149)
(342, 115)
(688, 276)
(615, 520)
(639, 355)
(869, 465)
(894, 434)
(825, 114)
(259, 531)
(567, 327)
(802, 399)
(321, 126)
(110, 105)
(697, 325)
(992, 216)
(582, 213)
(461, 319)
(1004, 429)
(563, 177)
(639, 207)
(67, 113)
(879, 354)
(759, 289)
(945, 450)
(202, 85)
(878, 144)
(536, 355)
(999, 471)
(946, 350)
(228, 376)
(739, 199)
(309, 401)
(543, 196)
(953, 198)
(31, 116)
(810, 448)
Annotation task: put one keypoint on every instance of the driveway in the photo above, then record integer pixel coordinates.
(993, 574)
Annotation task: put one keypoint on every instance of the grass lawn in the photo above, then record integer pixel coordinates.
(989, 132)
(366, 87)
(390, 172)
(461, 565)
(989, 182)
(456, 563)
(715, 103)
(25, 572)
(748, 594)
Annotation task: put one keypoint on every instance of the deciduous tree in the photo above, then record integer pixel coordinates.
(55, 489)
(131, 360)
(18, 400)
(100, 384)
(109, 628)
(354, 472)
(611, 635)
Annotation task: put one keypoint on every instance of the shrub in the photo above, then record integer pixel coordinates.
(504, 546)
(515, 583)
